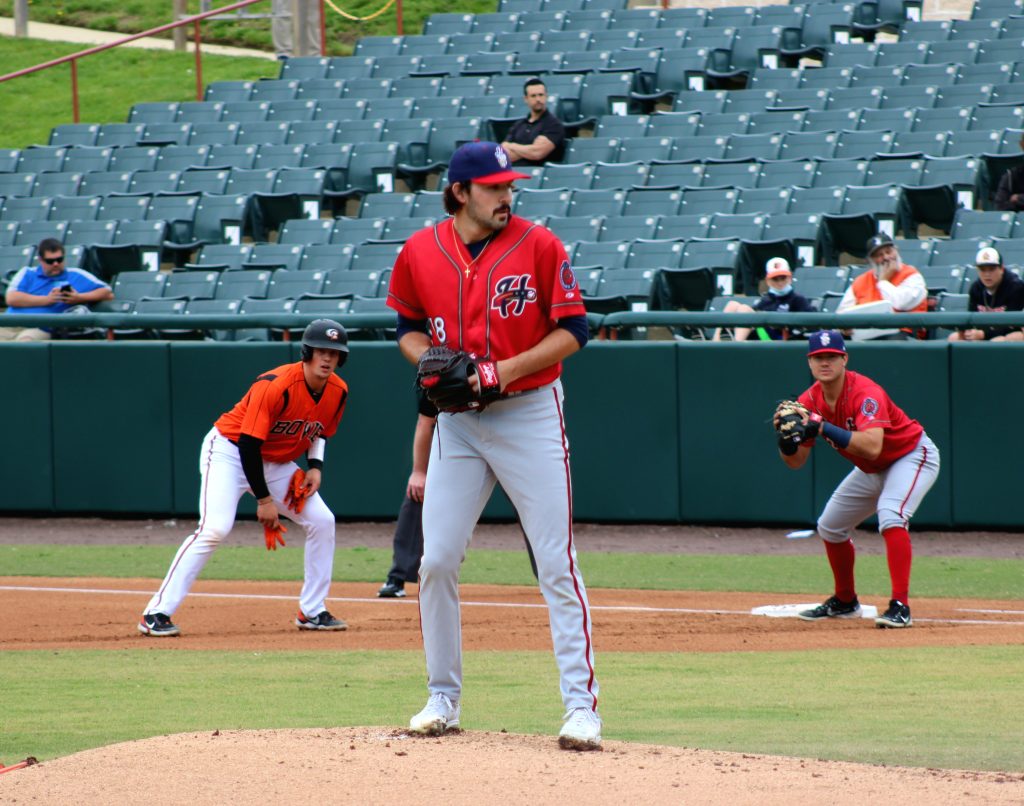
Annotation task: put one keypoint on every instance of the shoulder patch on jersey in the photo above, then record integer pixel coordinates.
(268, 377)
(566, 276)
(869, 408)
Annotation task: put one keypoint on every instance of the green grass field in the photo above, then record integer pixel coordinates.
(933, 576)
(928, 707)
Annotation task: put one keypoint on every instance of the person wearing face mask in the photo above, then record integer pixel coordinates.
(889, 284)
(995, 291)
(779, 297)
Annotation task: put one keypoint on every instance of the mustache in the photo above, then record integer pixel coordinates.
(503, 209)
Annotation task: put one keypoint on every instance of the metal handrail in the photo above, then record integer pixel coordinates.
(73, 58)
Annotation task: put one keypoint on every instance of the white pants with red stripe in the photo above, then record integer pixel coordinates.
(223, 484)
(521, 443)
(895, 493)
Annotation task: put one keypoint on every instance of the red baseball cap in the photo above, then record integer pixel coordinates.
(484, 162)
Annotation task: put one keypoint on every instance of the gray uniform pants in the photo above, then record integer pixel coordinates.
(895, 493)
(521, 443)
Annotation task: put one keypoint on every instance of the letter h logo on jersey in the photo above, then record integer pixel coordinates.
(511, 295)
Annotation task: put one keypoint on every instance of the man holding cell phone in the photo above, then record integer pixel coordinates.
(49, 287)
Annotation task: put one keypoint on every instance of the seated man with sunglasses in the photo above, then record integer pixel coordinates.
(49, 287)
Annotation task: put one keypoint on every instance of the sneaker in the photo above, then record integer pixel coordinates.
(323, 621)
(439, 715)
(898, 615)
(832, 608)
(581, 731)
(158, 625)
(392, 589)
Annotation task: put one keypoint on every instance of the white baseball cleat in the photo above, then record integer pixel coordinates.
(581, 731)
(439, 715)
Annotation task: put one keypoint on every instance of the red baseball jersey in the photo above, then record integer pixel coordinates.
(863, 404)
(279, 409)
(496, 306)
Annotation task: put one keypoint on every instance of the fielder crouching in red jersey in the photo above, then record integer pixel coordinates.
(895, 466)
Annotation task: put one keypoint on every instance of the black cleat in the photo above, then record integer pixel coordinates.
(832, 608)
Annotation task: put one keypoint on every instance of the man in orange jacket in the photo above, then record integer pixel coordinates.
(888, 279)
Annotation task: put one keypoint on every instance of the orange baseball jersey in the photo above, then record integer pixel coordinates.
(279, 409)
(496, 306)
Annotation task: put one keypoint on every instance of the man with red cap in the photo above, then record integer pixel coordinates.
(895, 464)
(501, 289)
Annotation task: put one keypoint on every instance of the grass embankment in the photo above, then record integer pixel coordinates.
(135, 16)
(109, 83)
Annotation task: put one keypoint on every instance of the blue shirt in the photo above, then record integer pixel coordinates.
(33, 280)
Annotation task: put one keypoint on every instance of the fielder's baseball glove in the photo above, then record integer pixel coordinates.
(794, 425)
(443, 375)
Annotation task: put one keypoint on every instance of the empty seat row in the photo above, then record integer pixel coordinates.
(260, 132)
(893, 53)
(314, 305)
(855, 99)
(278, 283)
(971, 125)
(789, 146)
(941, 74)
(1010, 27)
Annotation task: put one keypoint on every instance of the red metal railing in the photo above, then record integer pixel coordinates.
(194, 21)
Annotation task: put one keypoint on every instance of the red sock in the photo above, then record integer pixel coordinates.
(841, 557)
(899, 553)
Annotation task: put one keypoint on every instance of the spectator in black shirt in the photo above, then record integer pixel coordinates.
(1010, 191)
(995, 290)
(540, 136)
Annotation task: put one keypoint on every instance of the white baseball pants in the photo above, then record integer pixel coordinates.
(223, 484)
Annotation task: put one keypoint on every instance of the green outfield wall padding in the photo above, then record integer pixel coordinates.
(620, 412)
(731, 470)
(987, 444)
(111, 427)
(26, 473)
(658, 431)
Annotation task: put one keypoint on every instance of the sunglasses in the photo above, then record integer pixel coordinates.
(53, 261)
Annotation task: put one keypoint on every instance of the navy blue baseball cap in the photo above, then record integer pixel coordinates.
(826, 341)
(484, 162)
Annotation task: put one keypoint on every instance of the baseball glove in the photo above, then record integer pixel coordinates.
(273, 536)
(794, 425)
(443, 374)
(297, 493)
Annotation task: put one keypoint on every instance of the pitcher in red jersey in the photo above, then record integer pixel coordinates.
(500, 287)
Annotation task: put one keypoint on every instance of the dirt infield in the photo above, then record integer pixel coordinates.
(366, 763)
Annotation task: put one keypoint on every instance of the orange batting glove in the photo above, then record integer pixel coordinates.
(298, 492)
(273, 536)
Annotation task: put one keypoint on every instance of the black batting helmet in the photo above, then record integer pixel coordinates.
(327, 335)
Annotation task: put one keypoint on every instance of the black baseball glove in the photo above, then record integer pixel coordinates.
(794, 425)
(443, 374)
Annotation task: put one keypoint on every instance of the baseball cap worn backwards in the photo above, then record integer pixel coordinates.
(483, 162)
(826, 341)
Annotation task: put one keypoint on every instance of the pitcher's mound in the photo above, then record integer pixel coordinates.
(387, 766)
